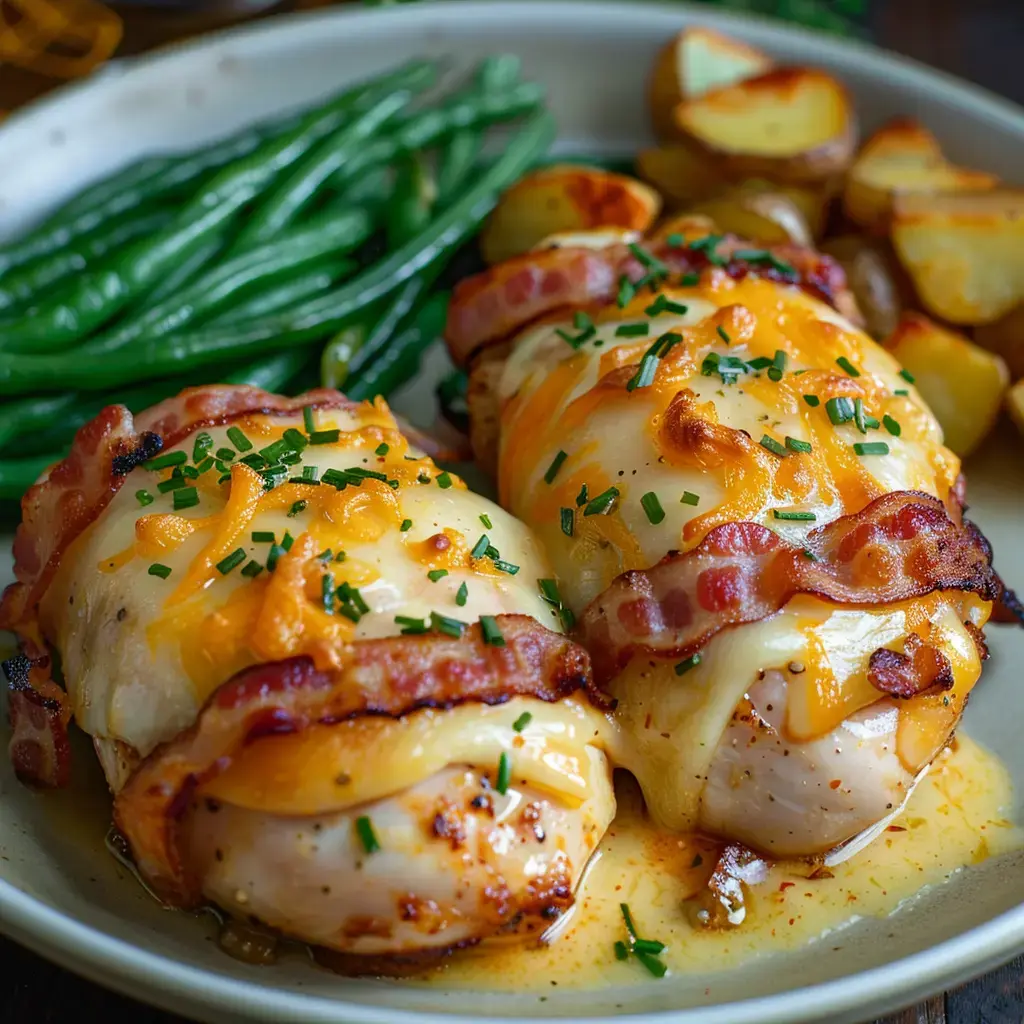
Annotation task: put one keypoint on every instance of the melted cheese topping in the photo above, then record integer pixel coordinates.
(330, 768)
(142, 653)
(558, 398)
(554, 398)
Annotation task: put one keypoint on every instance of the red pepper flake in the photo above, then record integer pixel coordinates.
(895, 828)
(786, 885)
(835, 784)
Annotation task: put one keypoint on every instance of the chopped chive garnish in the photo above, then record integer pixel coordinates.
(689, 498)
(444, 480)
(436, 574)
(568, 519)
(773, 446)
(225, 454)
(549, 592)
(621, 953)
(335, 478)
(723, 334)
(603, 503)
(652, 946)
(325, 556)
(462, 595)
(308, 419)
(763, 256)
(581, 321)
(844, 364)
(410, 626)
(907, 376)
(238, 439)
(287, 541)
(254, 461)
(795, 517)
(727, 367)
(778, 367)
(690, 280)
(187, 497)
(628, 918)
(446, 625)
(262, 536)
(406, 525)
(327, 592)
(275, 552)
(295, 439)
(684, 666)
(760, 363)
(166, 460)
(310, 474)
(903, 392)
(367, 836)
(486, 520)
(202, 446)
(582, 498)
(871, 448)
(324, 436)
(839, 410)
(273, 451)
(556, 465)
(648, 368)
(708, 243)
(144, 498)
(297, 507)
(191, 472)
(236, 558)
(340, 556)
(252, 569)
(652, 506)
(522, 722)
(858, 415)
(382, 449)
(479, 549)
(796, 445)
(632, 330)
(626, 292)
(652, 963)
(675, 240)
(205, 465)
(504, 772)
(663, 305)
(502, 566)
(156, 569)
(491, 633)
(812, 400)
(892, 425)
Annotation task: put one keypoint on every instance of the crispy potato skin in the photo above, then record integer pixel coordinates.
(1005, 337)
(791, 125)
(964, 251)
(902, 157)
(962, 383)
(565, 197)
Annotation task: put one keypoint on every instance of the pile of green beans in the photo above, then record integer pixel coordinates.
(314, 241)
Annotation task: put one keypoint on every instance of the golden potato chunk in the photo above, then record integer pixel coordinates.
(962, 383)
(682, 174)
(1015, 404)
(693, 63)
(1005, 337)
(565, 197)
(902, 157)
(792, 125)
(965, 252)
(870, 275)
(770, 217)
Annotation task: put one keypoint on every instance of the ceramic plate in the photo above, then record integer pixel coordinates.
(62, 894)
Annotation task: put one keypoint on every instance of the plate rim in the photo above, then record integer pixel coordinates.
(155, 978)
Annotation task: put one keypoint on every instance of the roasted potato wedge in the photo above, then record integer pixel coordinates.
(962, 383)
(1005, 337)
(902, 157)
(792, 125)
(682, 174)
(1015, 404)
(872, 278)
(690, 225)
(769, 217)
(693, 63)
(565, 197)
(965, 252)
(811, 202)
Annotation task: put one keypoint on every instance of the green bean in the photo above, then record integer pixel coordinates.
(18, 475)
(400, 361)
(305, 325)
(408, 213)
(178, 277)
(292, 292)
(101, 293)
(28, 283)
(333, 236)
(272, 372)
(158, 177)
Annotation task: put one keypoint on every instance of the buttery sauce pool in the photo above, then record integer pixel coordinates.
(954, 818)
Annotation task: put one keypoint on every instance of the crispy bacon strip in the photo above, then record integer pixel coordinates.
(39, 748)
(918, 668)
(491, 305)
(392, 676)
(903, 545)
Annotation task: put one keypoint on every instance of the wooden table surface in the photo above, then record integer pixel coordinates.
(980, 40)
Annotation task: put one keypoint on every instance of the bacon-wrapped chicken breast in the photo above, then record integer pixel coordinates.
(326, 682)
(756, 520)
